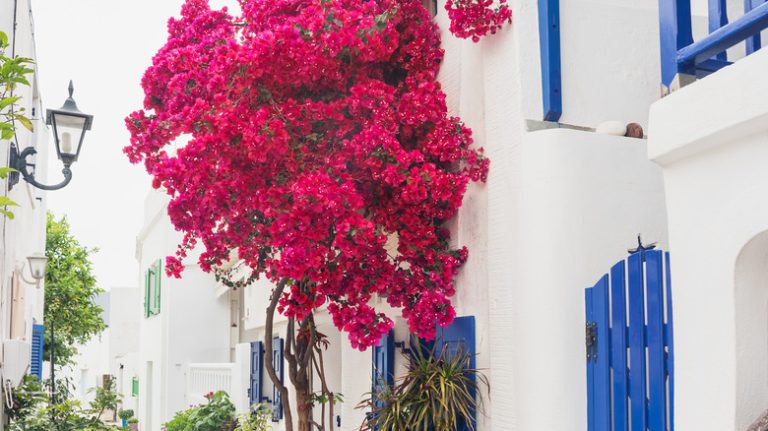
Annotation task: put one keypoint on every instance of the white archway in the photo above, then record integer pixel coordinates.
(751, 315)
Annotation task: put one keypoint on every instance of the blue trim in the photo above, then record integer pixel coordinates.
(549, 42)
(725, 37)
(277, 363)
(718, 17)
(257, 372)
(681, 55)
(36, 363)
(753, 43)
(459, 338)
(675, 32)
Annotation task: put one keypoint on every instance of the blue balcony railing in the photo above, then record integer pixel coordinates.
(682, 56)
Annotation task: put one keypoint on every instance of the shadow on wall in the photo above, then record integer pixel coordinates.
(752, 330)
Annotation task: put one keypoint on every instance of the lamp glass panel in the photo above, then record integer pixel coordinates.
(37, 265)
(69, 129)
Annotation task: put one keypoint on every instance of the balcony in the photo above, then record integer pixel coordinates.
(683, 59)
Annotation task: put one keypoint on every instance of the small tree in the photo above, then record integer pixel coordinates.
(70, 290)
(106, 398)
(322, 151)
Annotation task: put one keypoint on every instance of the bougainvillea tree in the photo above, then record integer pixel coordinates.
(317, 145)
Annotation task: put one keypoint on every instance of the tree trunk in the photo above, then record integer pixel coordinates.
(304, 408)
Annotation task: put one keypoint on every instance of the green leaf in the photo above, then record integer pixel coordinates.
(5, 201)
(3, 40)
(5, 171)
(6, 133)
(4, 103)
(25, 122)
(7, 214)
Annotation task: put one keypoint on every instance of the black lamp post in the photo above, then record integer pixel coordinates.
(69, 127)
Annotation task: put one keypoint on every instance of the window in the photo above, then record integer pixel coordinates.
(152, 289)
(135, 387)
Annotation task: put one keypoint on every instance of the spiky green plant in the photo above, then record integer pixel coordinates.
(437, 392)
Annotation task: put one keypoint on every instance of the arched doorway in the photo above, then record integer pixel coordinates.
(751, 314)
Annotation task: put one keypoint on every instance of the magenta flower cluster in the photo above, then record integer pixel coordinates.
(477, 18)
(312, 137)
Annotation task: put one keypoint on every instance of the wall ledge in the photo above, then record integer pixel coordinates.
(720, 108)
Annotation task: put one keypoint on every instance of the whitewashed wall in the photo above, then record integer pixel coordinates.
(193, 324)
(25, 235)
(124, 340)
(560, 206)
(711, 138)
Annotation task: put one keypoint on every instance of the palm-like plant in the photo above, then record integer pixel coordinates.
(436, 393)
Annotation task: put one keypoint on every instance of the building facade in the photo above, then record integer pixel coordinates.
(21, 297)
(566, 197)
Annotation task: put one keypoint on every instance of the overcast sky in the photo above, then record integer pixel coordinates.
(104, 46)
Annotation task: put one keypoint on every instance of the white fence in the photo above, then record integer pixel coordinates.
(231, 377)
(203, 379)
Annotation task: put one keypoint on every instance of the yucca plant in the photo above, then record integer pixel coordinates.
(436, 393)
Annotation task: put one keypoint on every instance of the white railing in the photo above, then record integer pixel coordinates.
(203, 379)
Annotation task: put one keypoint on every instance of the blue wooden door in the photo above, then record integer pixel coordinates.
(383, 363)
(630, 357)
(459, 338)
(257, 372)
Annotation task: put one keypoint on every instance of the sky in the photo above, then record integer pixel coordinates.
(104, 46)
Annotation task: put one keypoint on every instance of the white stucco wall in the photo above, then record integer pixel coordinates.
(560, 206)
(124, 340)
(25, 234)
(192, 327)
(711, 138)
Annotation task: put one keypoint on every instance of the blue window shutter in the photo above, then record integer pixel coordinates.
(36, 364)
(277, 362)
(257, 372)
(459, 337)
(383, 363)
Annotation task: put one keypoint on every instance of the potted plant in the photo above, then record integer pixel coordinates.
(125, 415)
(133, 424)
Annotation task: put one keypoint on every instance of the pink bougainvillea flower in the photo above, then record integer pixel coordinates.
(473, 19)
(316, 143)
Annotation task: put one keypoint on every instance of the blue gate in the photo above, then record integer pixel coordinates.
(630, 379)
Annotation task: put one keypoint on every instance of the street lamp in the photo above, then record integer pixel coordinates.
(69, 127)
(38, 263)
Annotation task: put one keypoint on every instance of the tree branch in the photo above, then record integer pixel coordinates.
(270, 366)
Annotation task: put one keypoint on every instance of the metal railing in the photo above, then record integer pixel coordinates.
(683, 59)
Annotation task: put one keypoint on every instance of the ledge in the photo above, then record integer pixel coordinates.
(722, 107)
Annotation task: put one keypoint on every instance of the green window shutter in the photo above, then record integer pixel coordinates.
(135, 387)
(147, 291)
(158, 270)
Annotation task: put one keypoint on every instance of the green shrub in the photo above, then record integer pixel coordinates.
(256, 420)
(125, 414)
(26, 396)
(67, 415)
(217, 415)
(436, 393)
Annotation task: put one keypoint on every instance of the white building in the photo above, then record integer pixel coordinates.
(182, 321)
(124, 326)
(562, 204)
(21, 299)
(90, 367)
